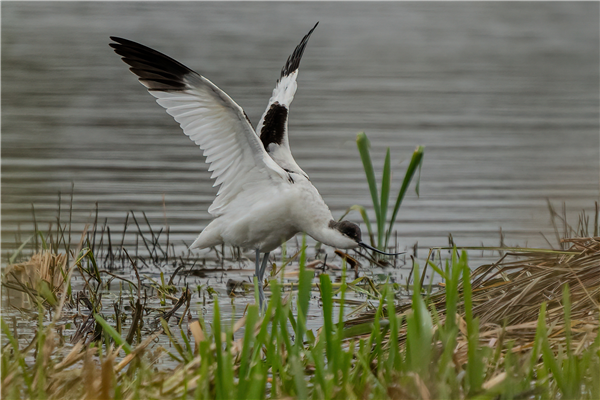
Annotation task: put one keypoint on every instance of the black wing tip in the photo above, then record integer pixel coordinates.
(154, 69)
(119, 41)
(293, 61)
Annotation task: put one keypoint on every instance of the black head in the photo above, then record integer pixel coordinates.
(348, 229)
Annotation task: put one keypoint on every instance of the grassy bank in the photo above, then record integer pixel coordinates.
(523, 327)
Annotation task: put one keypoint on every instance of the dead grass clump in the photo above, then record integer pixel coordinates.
(43, 274)
(507, 296)
(510, 293)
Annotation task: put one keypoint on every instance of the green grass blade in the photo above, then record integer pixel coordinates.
(419, 331)
(256, 289)
(17, 354)
(45, 291)
(14, 256)
(173, 340)
(361, 329)
(226, 374)
(44, 245)
(276, 341)
(467, 292)
(221, 389)
(537, 342)
(363, 144)
(257, 382)
(452, 277)
(418, 183)
(285, 337)
(437, 269)
(570, 364)
(475, 366)
(245, 361)
(188, 346)
(303, 297)
(415, 163)
(321, 377)
(300, 383)
(339, 334)
(567, 313)
(113, 333)
(551, 363)
(327, 297)
(261, 338)
(342, 292)
(393, 356)
(386, 179)
(87, 252)
(376, 335)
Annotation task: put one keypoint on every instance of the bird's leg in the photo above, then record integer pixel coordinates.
(257, 265)
(260, 272)
(258, 278)
(263, 267)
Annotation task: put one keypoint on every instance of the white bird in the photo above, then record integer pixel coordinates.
(264, 197)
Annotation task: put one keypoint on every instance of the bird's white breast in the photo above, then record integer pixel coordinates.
(266, 217)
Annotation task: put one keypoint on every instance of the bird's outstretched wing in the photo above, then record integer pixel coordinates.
(209, 117)
(272, 126)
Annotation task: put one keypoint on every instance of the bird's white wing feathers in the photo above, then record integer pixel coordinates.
(273, 125)
(209, 117)
(219, 127)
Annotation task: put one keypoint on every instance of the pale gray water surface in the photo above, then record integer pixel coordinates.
(503, 95)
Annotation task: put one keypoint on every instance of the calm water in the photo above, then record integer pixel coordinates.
(503, 95)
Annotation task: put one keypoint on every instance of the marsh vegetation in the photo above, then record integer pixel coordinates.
(525, 326)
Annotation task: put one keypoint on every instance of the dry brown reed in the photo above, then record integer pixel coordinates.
(43, 271)
(507, 296)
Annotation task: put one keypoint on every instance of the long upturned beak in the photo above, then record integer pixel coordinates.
(366, 246)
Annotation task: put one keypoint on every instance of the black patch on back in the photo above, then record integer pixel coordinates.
(348, 229)
(293, 61)
(274, 125)
(154, 69)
